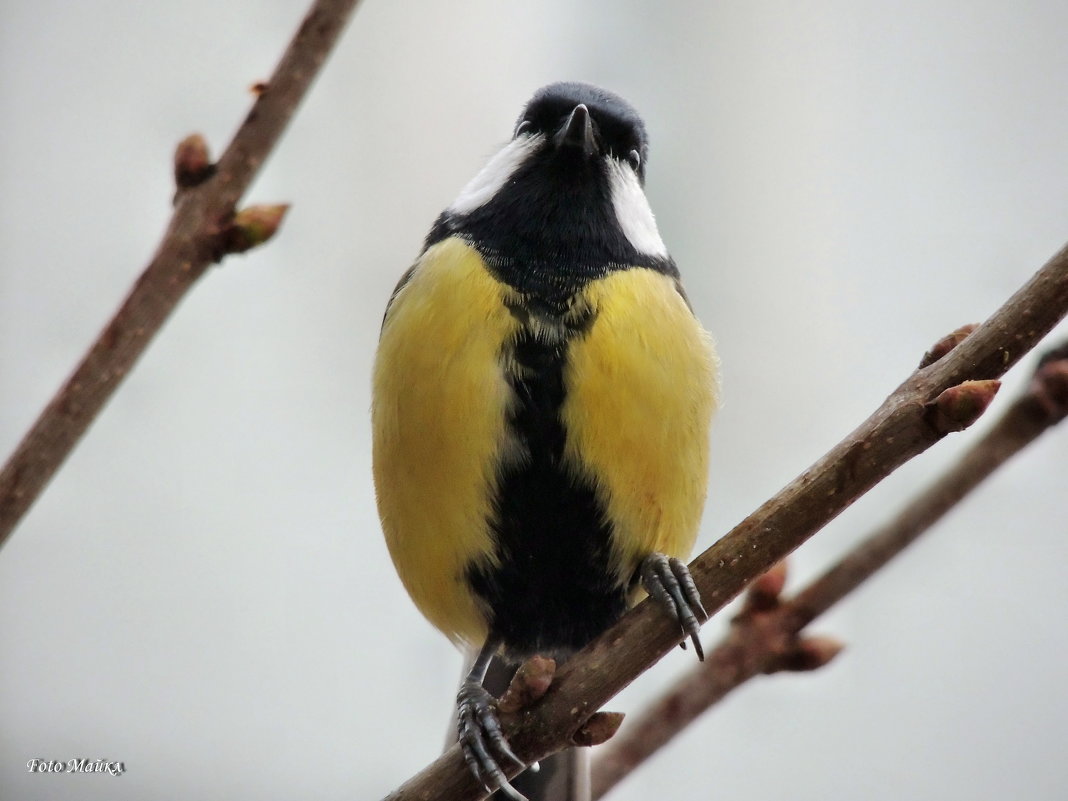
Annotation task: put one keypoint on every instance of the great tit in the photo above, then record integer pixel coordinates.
(541, 408)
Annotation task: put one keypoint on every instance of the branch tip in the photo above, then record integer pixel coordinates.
(960, 406)
(946, 344)
(192, 162)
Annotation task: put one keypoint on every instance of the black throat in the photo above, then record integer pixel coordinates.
(550, 229)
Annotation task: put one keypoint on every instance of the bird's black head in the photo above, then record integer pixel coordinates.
(563, 201)
(588, 118)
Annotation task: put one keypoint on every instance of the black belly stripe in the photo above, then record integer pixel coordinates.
(552, 591)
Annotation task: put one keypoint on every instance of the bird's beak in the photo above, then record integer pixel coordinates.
(577, 132)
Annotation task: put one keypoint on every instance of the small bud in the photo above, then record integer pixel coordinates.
(253, 226)
(259, 88)
(1057, 354)
(809, 653)
(192, 162)
(764, 592)
(1050, 388)
(598, 729)
(946, 344)
(960, 406)
(529, 684)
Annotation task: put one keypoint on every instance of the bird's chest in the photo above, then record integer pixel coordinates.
(534, 362)
(550, 584)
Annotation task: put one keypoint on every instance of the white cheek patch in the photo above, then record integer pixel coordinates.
(481, 189)
(633, 214)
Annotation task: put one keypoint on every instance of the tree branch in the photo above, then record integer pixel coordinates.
(759, 639)
(918, 414)
(200, 232)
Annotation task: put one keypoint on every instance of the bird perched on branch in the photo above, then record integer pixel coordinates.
(542, 400)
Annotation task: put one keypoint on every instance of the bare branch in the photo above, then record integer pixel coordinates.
(769, 627)
(901, 428)
(199, 233)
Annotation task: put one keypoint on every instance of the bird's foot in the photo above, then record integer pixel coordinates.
(668, 580)
(479, 730)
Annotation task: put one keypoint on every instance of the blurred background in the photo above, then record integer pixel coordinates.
(203, 591)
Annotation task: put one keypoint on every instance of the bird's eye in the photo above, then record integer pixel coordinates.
(524, 127)
(634, 158)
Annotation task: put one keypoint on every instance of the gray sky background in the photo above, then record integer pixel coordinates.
(203, 591)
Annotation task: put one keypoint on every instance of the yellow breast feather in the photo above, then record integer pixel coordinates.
(440, 431)
(642, 384)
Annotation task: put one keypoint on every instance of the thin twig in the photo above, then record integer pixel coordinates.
(918, 414)
(757, 642)
(192, 242)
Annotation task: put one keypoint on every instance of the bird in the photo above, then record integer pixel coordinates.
(542, 399)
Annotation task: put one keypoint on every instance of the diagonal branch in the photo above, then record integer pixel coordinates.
(948, 394)
(194, 239)
(759, 640)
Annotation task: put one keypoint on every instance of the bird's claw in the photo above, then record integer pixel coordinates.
(668, 580)
(478, 730)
